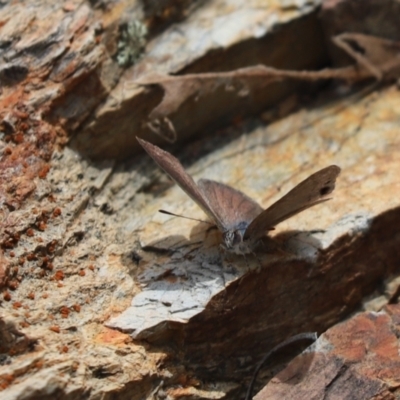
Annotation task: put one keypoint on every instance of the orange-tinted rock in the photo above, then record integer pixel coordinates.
(356, 359)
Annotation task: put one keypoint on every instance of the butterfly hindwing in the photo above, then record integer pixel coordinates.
(230, 206)
(238, 217)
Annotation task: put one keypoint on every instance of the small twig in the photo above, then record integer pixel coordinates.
(301, 336)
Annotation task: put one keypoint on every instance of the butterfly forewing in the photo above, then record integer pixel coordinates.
(233, 211)
(307, 193)
(175, 170)
(230, 206)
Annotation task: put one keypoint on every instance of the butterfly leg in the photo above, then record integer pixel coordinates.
(246, 261)
(224, 255)
(256, 257)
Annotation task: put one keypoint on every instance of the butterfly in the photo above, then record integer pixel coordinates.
(241, 220)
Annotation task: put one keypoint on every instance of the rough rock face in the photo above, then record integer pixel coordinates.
(104, 297)
(221, 35)
(330, 256)
(355, 359)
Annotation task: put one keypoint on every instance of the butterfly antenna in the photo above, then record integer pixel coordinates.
(182, 216)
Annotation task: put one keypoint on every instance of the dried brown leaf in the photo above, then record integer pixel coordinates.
(375, 57)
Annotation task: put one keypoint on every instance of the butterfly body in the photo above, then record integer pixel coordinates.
(233, 242)
(234, 237)
(241, 220)
(233, 211)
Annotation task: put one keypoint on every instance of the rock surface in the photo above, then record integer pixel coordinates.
(102, 296)
(219, 36)
(335, 254)
(357, 359)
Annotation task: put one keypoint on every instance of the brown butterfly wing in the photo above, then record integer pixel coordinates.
(230, 206)
(175, 170)
(306, 194)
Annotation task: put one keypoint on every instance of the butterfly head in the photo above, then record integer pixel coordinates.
(233, 240)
